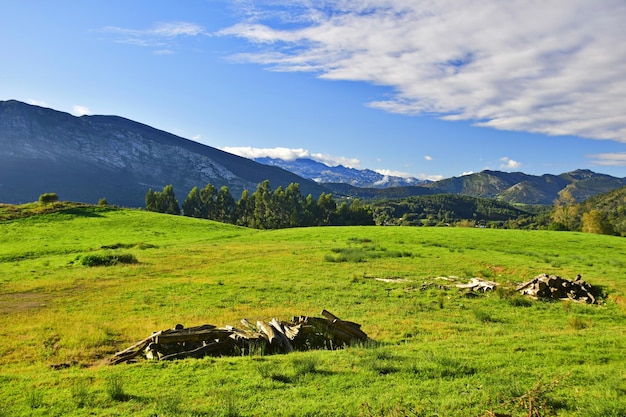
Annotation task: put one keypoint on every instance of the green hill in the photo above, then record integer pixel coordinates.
(435, 350)
(612, 205)
(443, 208)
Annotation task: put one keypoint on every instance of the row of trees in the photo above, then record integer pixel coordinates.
(440, 209)
(263, 209)
(286, 207)
(604, 214)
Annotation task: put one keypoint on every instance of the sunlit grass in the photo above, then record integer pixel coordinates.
(437, 350)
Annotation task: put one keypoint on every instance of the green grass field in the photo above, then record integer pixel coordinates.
(435, 350)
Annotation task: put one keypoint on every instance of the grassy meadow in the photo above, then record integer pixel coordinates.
(435, 350)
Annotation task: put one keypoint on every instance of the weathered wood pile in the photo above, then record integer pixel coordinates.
(301, 333)
(556, 288)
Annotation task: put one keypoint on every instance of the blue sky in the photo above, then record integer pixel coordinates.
(431, 89)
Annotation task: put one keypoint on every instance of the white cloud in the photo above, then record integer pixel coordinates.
(544, 66)
(80, 110)
(392, 173)
(163, 52)
(161, 35)
(37, 103)
(401, 174)
(509, 164)
(608, 159)
(289, 154)
(428, 157)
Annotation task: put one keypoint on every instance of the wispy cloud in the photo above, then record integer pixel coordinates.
(608, 159)
(161, 35)
(402, 174)
(37, 102)
(80, 110)
(289, 154)
(543, 66)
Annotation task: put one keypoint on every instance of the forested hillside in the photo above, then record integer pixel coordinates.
(264, 209)
(604, 213)
(445, 209)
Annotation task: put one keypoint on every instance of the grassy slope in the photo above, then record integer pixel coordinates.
(470, 357)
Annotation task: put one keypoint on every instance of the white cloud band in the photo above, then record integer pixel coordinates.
(543, 66)
(609, 159)
(289, 154)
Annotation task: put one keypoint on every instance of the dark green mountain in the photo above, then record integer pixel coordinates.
(612, 205)
(442, 209)
(510, 187)
(90, 157)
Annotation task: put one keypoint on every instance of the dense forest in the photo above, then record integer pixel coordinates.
(603, 213)
(454, 209)
(286, 207)
(263, 209)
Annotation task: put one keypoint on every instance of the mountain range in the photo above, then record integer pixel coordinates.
(322, 173)
(91, 157)
(509, 187)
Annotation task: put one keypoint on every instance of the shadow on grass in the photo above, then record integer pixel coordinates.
(86, 211)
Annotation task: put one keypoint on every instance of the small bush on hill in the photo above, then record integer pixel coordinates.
(109, 259)
(48, 198)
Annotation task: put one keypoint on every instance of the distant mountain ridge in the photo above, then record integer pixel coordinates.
(90, 157)
(510, 187)
(517, 187)
(322, 173)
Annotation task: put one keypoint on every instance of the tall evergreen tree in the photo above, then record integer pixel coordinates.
(192, 206)
(327, 207)
(244, 210)
(262, 214)
(293, 205)
(224, 205)
(151, 200)
(208, 196)
(169, 203)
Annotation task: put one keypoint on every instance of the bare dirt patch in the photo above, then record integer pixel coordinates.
(22, 301)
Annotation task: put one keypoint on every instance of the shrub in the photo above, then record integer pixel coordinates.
(81, 394)
(520, 301)
(108, 259)
(48, 198)
(484, 317)
(577, 323)
(115, 389)
(34, 398)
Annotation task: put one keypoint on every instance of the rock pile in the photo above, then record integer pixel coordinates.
(556, 288)
(301, 333)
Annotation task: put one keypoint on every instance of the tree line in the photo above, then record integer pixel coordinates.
(263, 209)
(442, 209)
(602, 214)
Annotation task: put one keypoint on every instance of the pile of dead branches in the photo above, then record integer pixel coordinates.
(301, 333)
(553, 287)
